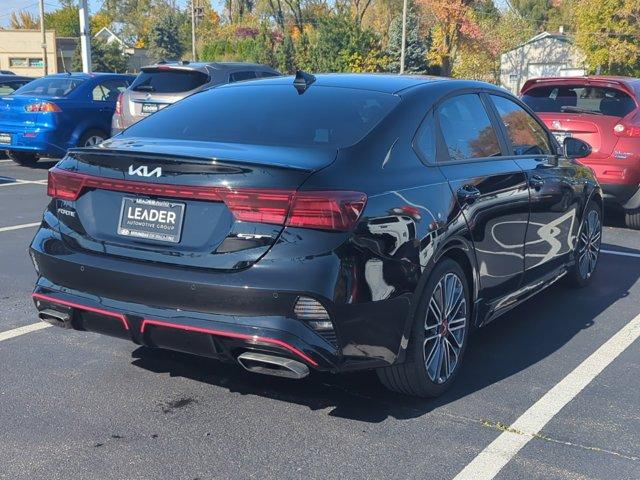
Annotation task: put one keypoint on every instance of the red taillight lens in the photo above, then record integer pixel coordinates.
(64, 185)
(330, 210)
(261, 206)
(622, 130)
(326, 210)
(42, 107)
(119, 105)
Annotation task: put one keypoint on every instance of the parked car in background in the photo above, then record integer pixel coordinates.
(159, 85)
(348, 222)
(603, 111)
(49, 115)
(11, 83)
(6, 72)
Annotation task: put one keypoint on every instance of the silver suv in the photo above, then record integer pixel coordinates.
(164, 83)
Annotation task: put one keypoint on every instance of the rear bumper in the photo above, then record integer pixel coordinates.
(216, 314)
(39, 141)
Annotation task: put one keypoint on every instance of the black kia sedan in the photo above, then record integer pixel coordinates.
(330, 222)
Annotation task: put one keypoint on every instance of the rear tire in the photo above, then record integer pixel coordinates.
(23, 158)
(438, 341)
(587, 249)
(91, 138)
(632, 219)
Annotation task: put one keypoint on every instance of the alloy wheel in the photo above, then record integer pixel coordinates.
(589, 244)
(444, 327)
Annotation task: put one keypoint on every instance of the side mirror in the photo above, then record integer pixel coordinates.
(575, 148)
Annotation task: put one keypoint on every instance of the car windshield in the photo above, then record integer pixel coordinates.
(50, 87)
(271, 115)
(168, 81)
(579, 99)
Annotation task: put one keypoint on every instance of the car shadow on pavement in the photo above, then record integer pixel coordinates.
(511, 344)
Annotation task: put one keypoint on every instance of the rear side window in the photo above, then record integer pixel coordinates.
(240, 76)
(108, 91)
(426, 139)
(579, 99)
(526, 135)
(270, 115)
(267, 74)
(466, 128)
(50, 87)
(168, 81)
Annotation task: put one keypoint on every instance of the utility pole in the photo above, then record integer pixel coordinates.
(85, 37)
(45, 63)
(193, 30)
(404, 36)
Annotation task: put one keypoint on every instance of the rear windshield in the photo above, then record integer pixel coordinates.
(50, 87)
(271, 115)
(579, 99)
(168, 81)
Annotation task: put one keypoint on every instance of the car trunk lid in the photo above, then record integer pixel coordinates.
(133, 187)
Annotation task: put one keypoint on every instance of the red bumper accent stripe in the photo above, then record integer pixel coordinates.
(99, 311)
(222, 333)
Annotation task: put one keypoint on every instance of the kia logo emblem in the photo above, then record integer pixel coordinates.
(143, 171)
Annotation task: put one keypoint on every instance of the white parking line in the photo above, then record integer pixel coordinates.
(499, 452)
(6, 160)
(18, 227)
(24, 182)
(16, 332)
(624, 254)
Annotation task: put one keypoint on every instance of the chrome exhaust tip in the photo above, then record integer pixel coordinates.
(271, 365)
(59, 319)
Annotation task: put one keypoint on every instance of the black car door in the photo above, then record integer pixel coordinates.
(491, 189)
(553, 220)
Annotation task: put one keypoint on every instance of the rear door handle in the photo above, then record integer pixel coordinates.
(467, 193)
(536, 182)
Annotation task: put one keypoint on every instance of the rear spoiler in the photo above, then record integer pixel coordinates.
(600, 82)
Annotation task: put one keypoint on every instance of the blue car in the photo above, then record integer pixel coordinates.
(46, 117)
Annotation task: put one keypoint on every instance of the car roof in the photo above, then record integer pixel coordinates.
(8, 78)
(384, 83)
(87, 76)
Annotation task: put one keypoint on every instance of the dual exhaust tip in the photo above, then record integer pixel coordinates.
(272, 365)
(251, 361)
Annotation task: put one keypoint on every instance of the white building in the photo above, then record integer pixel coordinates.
(137, 57)
(545, 55)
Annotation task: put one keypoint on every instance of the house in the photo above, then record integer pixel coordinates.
(545, 55)
(21, 52)
(137, 57)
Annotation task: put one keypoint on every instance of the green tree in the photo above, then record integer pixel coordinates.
(65, 21)
(537, 12)
(416, 47)
(608, 32)
(164, 37)
(285, 55)
(105, 57)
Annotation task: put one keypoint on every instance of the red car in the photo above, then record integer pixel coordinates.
(603, 111)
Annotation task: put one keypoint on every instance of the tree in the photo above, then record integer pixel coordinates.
(608, 32)
(105, 57)
(164, 37)
(536, 12)
(24, 21)
(416, 47)
(65, 21)
(285, 55)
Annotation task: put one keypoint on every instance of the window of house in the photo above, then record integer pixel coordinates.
(18, 62)
(36, 62)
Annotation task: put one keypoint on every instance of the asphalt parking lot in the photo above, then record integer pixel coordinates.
(78, 405)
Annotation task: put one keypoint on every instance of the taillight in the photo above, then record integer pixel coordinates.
(119, 105)
(622, 130)
(42, 107)
(325, 210)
